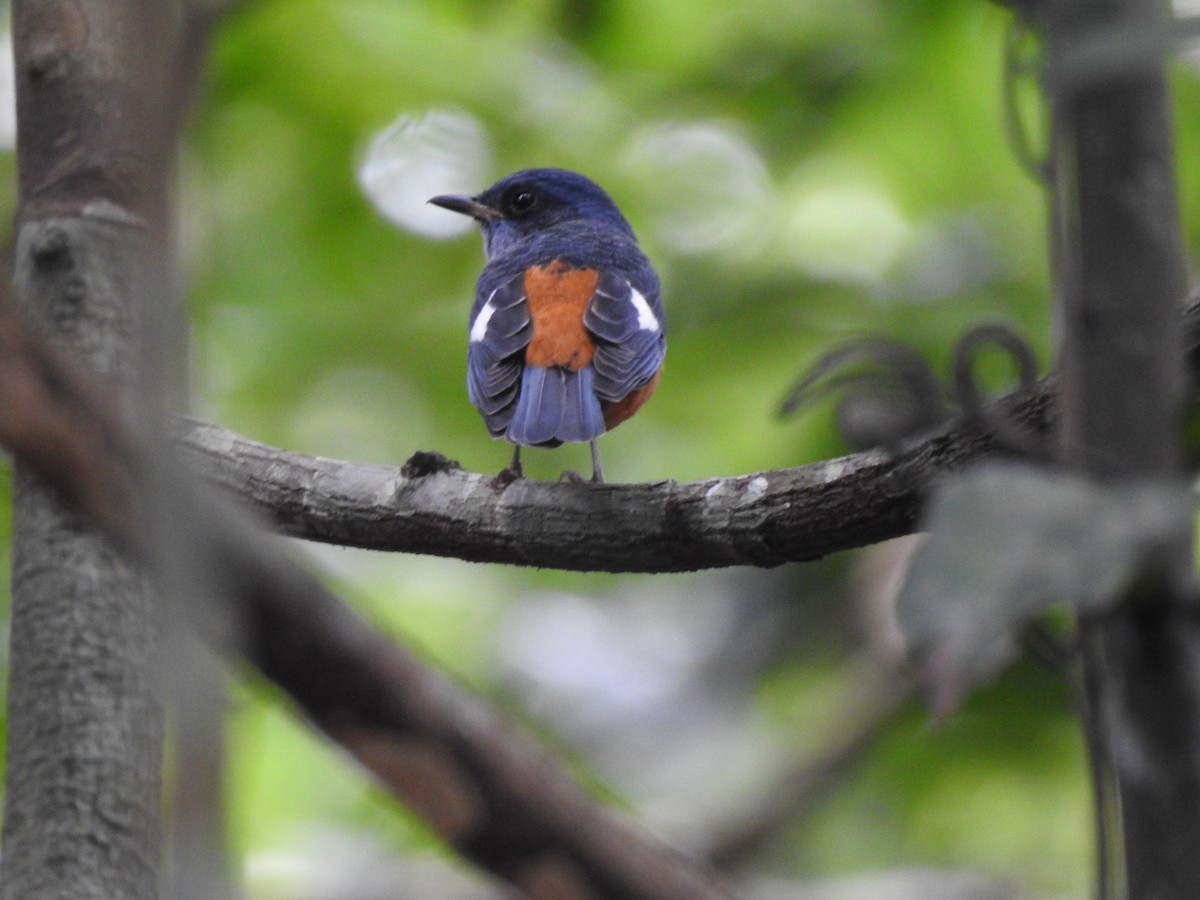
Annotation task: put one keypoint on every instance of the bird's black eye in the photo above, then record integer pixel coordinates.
(522, 201)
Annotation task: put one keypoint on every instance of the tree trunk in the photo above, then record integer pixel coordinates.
(1120, 279)
(85, 724)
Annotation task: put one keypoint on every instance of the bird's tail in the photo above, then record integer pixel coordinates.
(555, 405)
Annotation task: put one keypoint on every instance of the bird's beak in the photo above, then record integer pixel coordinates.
(467, 206)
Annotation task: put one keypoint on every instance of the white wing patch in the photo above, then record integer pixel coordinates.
(647, 321)
(479, 326)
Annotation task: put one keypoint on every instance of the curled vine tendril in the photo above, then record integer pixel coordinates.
(888, 393)
(1022, 59)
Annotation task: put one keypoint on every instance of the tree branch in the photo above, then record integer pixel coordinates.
(764, 519)
(432, 506)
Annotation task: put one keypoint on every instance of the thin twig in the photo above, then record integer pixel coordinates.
(878, 700)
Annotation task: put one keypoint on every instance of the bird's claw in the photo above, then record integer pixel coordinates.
(506, 476)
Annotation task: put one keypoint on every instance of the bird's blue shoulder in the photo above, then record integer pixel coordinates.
(583, 245)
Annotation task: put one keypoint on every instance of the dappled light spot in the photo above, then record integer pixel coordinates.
(360, 412)
(559, 92)
(708, 183)
(840, 225)
(418, 156)
(947, 255)
(1189, 51)
(8, 93)
(319, 861)
(590, 655)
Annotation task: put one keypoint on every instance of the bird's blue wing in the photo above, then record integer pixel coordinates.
(629, 328)
(500, 330)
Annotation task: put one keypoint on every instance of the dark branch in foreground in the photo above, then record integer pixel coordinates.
(490, 794)
(764, 519)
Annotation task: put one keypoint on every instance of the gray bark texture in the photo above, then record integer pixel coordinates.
(1119, 270)
(85, 715)
(430, 505)
(85, 721)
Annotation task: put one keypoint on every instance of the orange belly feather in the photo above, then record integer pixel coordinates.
(617, 412)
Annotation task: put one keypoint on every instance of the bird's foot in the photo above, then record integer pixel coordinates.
(509, 473)
(507, 476)
(575, 478)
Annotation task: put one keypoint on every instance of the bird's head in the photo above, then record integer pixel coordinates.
(522, 205)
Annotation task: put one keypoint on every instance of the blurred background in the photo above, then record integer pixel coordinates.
(801, 173)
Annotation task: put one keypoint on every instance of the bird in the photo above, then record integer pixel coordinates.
(567, 334)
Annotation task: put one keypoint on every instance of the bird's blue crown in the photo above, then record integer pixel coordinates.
(530, 202)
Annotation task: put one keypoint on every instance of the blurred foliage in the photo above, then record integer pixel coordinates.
(801, 172)
(884, 198)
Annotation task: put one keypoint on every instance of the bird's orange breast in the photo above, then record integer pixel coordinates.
(557, 296)
(617, 412)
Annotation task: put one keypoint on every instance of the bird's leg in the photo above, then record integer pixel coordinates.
(597, 471)
(511, 472)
